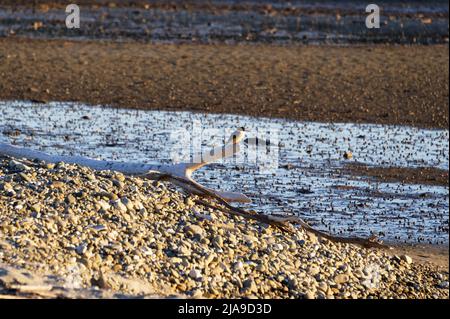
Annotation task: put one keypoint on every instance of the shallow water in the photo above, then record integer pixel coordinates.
(294, 170)
(312, 22)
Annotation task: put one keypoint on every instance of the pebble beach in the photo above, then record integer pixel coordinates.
(346, 134)
(87, 233)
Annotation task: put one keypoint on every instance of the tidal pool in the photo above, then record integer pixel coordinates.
(294, 169)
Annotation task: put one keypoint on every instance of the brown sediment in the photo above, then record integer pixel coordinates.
(383, 84)
(407, 175)
(423, 253)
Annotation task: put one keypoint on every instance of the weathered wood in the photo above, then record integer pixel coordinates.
(181, 170)
(181, 175)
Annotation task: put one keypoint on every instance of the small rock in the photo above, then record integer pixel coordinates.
(49, 165)
(278, 247)
(7, 187)
(194, 230)
(70, 199)
(310, 295)
(250, 286)
(313, 238)
(25, 177)
(195, 274)
(164, 200)
(119, 205)
(57, 184)
(118, 183)
(443, 285)
(99, 227)
(117, 267)
(81, 249)
(104, 205)
(120, 177)
(313, 270)
(218, 241)
(91, 177)
(128, 203)
(176, 260)
(406, 259)
(189, 202)
(17, 166)
(184, 251)
(341, 279)
(36, 208)
(238, 266)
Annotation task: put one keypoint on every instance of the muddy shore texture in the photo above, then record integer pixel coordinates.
(405, 85)
(420, 175)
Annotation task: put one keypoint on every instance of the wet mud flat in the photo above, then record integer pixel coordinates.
(382, 84)
(300, 169)
(304, 22)
(420, 175)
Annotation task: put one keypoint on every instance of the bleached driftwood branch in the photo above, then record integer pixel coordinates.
(181, 174)
(182, 171)
(281, 222)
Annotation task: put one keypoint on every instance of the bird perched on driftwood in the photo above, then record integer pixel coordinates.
(181, 175)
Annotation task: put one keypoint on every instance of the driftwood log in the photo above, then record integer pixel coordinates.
(181, 175)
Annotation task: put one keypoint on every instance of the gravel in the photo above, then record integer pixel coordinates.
(128, 235)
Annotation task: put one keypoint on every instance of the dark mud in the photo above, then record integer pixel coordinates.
(406, 175)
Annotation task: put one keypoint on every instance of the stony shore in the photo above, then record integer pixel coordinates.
(116, 235)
